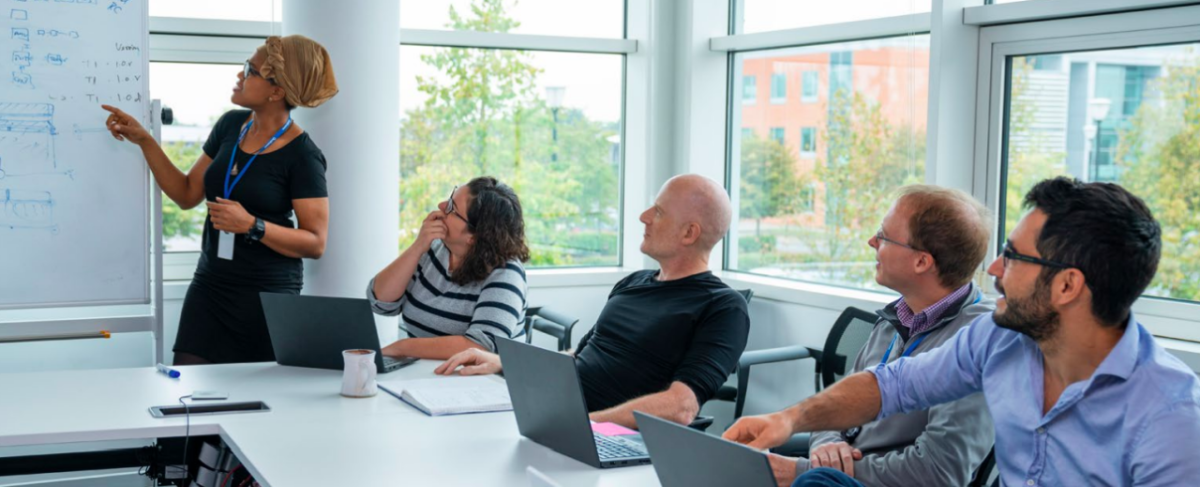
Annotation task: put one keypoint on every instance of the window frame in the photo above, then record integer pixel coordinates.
(809, 154)
(1169, 317)
(816, 86)
(753, 94)
(782, 85)
(733, 45)
(221, 41)
(959, 102)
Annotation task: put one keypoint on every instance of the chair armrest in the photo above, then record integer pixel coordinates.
(759, 357)
(773, 355)
(701, 423)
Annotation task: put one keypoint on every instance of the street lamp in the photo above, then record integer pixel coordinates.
(1097, 111)
(554, 99)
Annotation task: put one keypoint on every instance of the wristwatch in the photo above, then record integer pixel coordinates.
(257, 231)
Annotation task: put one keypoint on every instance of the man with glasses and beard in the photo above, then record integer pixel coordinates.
(1080, 392)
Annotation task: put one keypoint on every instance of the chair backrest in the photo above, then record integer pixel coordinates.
(746, 293)
(850, 332)
(550, 322)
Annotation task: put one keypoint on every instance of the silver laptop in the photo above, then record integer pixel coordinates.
(548, 401)
(312, 331)
(684, 457)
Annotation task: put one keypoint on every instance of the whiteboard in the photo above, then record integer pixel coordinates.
(74, 202)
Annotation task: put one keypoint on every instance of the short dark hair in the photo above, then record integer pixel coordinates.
(498, 225)
(1104, 231)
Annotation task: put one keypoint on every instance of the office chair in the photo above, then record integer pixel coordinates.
(848, 335)
(550, 322)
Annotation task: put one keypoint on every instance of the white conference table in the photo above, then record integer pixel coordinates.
(312, 435)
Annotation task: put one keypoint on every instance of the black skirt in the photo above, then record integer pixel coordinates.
(223, 322)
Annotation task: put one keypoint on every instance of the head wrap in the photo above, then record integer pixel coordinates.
(301, 67)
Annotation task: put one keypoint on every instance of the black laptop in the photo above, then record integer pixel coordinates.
(312, 331)
(548, 401)
(684, 457)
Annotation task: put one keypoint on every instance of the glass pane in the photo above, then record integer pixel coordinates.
(196, 95)
(1127, 116)
(259, 10)
(768, 15)
(548, 124)
(814, 177)
(591, 18)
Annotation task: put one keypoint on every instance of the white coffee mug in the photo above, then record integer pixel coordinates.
(358, 378)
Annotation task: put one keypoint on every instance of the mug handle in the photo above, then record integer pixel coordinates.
(364, 375)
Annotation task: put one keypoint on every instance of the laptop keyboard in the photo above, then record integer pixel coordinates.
(610, 448)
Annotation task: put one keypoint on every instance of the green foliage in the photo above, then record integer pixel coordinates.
(1026, 164)
(868, 159)
(178, 222)
(484, 117)
(1160, 157)
(769, 185)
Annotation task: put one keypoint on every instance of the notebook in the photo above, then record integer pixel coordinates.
(452, 395)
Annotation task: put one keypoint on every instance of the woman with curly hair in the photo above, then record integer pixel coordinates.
(257, 170)
(461, 284)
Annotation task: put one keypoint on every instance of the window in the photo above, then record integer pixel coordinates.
(593, 18)
(779, 88)
(808, 142)
(546, 123)
(749, 89)
(872, 133)
(768, 15)
(777, 135)
(255, 10)
(196, 110)
(1125, 116)
(809, 86)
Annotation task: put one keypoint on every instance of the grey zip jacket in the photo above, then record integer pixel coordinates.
(939, 446)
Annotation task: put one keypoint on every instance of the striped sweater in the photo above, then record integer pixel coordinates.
(432, 306)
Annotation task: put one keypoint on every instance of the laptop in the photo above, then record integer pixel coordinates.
(684, 457)
(548, 401)
(312, 331)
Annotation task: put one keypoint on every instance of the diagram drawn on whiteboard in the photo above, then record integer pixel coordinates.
(27, 135)
(27, 210)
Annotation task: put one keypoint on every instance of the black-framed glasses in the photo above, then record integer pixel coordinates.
(451, 210)
(248, 71)
(1010, 254)
(879, 236)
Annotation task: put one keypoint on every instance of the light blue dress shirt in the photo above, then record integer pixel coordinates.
(1134, 422)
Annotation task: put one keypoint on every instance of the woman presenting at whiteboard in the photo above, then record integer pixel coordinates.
(258, 167)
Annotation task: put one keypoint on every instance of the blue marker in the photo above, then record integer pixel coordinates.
(172, 373)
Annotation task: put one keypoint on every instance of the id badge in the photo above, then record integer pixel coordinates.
(225, 246)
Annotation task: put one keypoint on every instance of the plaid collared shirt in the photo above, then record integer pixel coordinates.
(918, 323)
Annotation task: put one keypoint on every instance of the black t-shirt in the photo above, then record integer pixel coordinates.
(294, 171)
(652, 333)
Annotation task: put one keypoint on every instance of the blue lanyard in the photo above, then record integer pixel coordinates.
(907, 351)
(916, 342)
(229, 171)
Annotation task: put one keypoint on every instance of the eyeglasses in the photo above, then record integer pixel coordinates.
(1010, 254)
(450, 210)
(248, 71)
(879, 236)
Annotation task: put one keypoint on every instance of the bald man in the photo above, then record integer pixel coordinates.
(666, 339)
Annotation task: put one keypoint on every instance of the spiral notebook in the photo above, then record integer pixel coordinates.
(452, 395)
